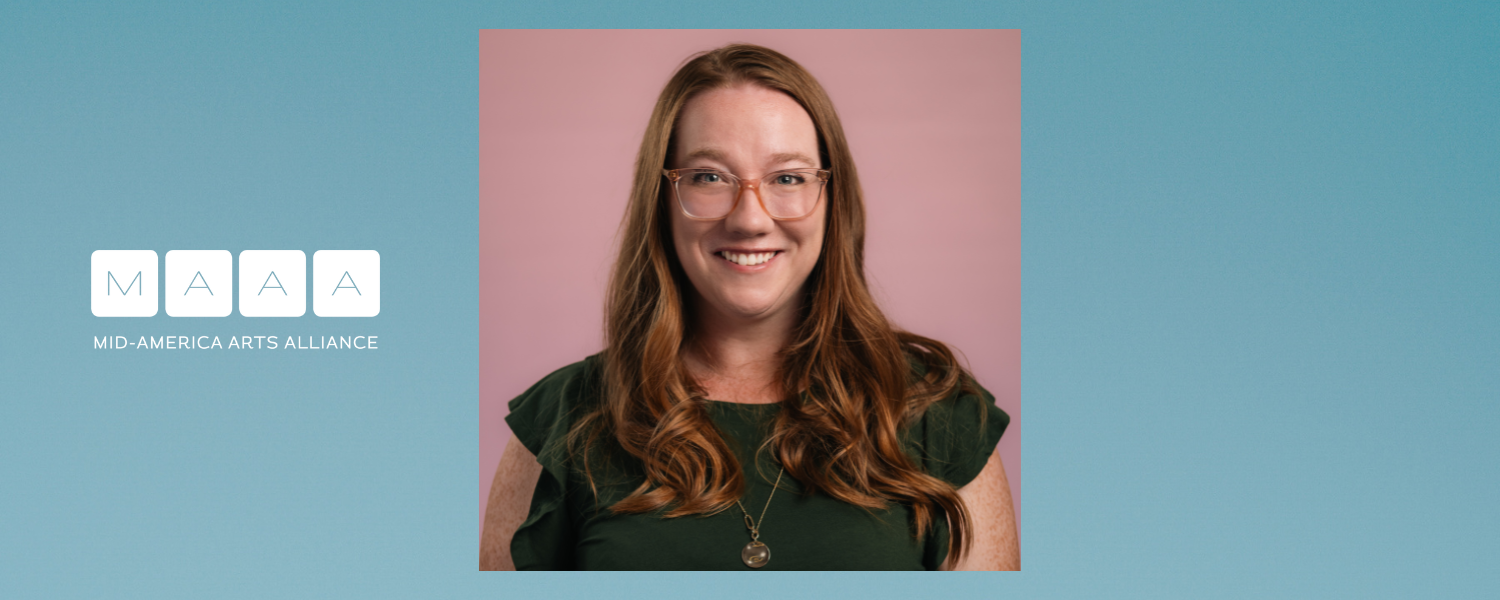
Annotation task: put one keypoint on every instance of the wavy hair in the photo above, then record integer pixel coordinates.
(850, 371)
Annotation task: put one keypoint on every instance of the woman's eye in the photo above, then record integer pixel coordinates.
(789, 179)
(707, 178)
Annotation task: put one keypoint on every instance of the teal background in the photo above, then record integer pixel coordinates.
(1261, 308)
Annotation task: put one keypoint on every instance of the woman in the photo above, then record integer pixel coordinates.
(753, 408)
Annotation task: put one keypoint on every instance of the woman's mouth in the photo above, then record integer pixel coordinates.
(747, 259)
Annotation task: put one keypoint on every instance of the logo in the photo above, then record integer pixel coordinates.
(201, 283)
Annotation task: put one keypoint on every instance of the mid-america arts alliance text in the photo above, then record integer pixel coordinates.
(242, 342)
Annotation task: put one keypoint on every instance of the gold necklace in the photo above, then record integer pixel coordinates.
(756, 554)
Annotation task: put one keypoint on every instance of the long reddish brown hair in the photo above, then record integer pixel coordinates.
(847, 373)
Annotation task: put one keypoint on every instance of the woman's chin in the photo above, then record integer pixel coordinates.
(750, 313)
(749, 309)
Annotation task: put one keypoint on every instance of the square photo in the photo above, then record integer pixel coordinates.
(750, 300)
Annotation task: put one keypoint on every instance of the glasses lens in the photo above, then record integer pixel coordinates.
(706, 194)
(791, 194)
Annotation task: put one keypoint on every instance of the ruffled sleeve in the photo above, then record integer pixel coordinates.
(541, 418)
(962, 432)
(953, 441)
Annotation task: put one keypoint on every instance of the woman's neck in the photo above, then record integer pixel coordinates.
(739, 360)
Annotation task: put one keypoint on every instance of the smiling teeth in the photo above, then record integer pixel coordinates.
(747, 260)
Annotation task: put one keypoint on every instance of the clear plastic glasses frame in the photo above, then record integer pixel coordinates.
(709, 199)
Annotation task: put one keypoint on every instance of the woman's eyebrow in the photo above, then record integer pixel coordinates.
(777, 159)
(708, 153)
(786, 157)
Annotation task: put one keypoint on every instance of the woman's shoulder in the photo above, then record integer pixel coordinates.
(545, 412)
(541, 418)
(954, 434)
(573, 377)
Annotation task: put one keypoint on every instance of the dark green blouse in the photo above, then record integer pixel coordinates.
(568, 528)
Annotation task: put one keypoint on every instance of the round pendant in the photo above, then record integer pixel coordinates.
(755, 555)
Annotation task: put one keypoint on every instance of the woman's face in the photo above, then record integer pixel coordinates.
(749, 131)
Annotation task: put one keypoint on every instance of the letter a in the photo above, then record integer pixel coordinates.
(341, 285)
(192, 287)
(267, 284)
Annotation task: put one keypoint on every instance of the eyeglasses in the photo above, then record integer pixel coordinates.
(711, 194)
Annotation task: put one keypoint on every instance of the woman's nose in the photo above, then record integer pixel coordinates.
(749, 215)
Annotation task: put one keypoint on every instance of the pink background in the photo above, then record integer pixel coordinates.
(934, 121)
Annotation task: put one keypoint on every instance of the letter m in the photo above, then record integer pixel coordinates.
(126, 290)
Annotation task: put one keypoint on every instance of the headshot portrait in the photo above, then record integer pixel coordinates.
(750, 300)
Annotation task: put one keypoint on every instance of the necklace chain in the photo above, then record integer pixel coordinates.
(754, 525)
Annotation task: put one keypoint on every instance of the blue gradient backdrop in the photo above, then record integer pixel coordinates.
(1262, 300)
